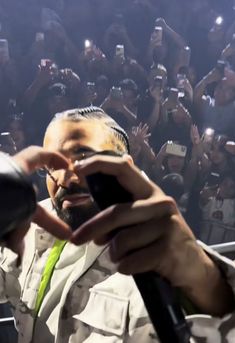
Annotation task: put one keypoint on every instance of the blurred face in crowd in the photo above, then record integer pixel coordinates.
(52, 42)
(175, 164)
(102, 91)
(68, 191)
(17, 133)
(57, 103)
(224, 93)
(129, 98)
(227, 188)
(218, 156)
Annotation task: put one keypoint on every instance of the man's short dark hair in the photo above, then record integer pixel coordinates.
(95, 113)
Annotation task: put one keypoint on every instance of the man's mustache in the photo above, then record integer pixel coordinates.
(72, 189)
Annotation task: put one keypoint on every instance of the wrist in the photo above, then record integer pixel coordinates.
(208, 286)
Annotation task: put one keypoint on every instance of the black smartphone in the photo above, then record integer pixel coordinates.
(158, 82)
(213, 180)
(173, 95)
(7, 143)
(221, 66)
(91, 87)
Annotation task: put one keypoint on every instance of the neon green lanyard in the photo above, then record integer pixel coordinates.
(48, 271)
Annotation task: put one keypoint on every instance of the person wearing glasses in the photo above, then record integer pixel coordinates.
(78, 287)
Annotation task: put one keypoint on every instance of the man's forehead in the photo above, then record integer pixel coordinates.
(62, 131)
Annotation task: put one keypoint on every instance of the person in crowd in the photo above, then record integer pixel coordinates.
(80, 294)
(218, 211)
(216, 112)
(102, 89)
(172, 158)
(52, 91)
(121, 103)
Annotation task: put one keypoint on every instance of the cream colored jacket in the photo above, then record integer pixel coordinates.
(87, 300)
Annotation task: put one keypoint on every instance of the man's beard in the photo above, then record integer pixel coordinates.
(74, 216)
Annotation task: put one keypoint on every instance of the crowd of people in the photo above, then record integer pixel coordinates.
(164, 70)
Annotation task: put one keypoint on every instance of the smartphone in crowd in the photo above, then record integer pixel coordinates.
(158, 82)
(91, 87)
(219, 21)
(116, 93)
(208, 135)
(45, 62)
(176, 149)
(185, 56)
(180, 84)
(120, 51)
(213, 180)
(157, 35)
(88, 45)
(221, 66)
(40, 36)
(7, 143)
(4, 50)
(233, 41)
(173, 95)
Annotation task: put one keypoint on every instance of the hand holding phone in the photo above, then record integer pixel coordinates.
(4, 51)
(45, 62)
(185, 56)
(7, 143)
(40, 37)
(220, 66)
(173, 96)
(120, 51)
(157, 36)
(176, 149)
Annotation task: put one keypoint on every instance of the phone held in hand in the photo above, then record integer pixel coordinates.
(4, 51)
(40, 36)
(116, 93)
(208, 135)
(180, 84)
(220, 66)
(7, 143)
(173, 95)
(88, 44)
(157, 35)
(120, 51)
(158, 82)
(185, 56)
(45, 62)
(91, 87)
(213, 180)
(176, 149)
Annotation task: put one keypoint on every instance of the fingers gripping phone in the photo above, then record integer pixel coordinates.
(159, 297)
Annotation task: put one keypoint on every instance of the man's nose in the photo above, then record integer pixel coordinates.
(68, 176)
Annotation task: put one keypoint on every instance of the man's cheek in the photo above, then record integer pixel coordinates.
(51, 187)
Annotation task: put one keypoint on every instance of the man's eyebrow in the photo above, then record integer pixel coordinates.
(77, 150)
